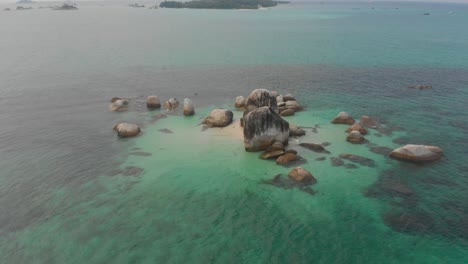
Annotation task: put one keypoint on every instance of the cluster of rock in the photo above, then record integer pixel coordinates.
(357, 130)
(284, 105)
(153, 102)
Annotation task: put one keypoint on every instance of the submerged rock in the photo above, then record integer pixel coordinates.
(165, 130)
(171, 104)
(358, 159)
(219, 118)
(153, 102)
(351, 166)
(314, 147)
(263, 127)
(409, 222)
(417, 153)
(295, 131)
(321, 158)
(240, 102)
(119, 104)
(260, 98)
(290, 159)
(355, 137)
(357, 127)
(127, 130)
(367, 121)
(343, 118)
(336, 162)
(288, 183)
(381, 150)
(300, 174)
(188, 107)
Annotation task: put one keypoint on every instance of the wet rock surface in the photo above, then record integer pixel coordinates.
(314, 147)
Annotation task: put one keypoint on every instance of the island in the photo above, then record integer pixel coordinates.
(221, 4)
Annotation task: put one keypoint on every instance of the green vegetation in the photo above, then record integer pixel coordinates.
(220, 4)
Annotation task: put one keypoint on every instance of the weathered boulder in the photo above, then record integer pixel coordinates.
(287, 112)
(276, 146)
(240, 102)
(119, 105)
(367, 121)
(287, 158)
(417, 153)
(288, 97)
(262, 127)
(295, 131)
(355, 137)
(153, 102)
(127, 130)
(219, 118)
(274, 154)
(188, 107)
(357, 127)
(171, 104)
(293, 105)
(300, 174)
(314, 147)
(260, 98)
(343, 118)
(280, 99)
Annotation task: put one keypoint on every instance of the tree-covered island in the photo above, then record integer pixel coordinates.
(221, 4)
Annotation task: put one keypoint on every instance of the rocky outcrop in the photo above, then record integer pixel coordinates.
(369, 122)
(300, 174)
(417, 153)
(295, 131)
(355, 137)
(127, 130)
(119, 104)
(357, 127)
(219, 118)
(188, 107)
(240, 102)
(153, 102)
(171, 104)
(343, 118)
(314, 147)
(262, 127)
(260, 98)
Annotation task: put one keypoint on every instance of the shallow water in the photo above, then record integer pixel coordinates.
(72, 192)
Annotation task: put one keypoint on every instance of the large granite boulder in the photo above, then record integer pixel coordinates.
(153, 102)
(300, 174)
(127, 130)
(417, 153)
(263, 127)
(188, 107)
(259, 98)
(240, 102)
(219, 118)
(171, 104)
(357, 127)
(119, 104)
(343, 118)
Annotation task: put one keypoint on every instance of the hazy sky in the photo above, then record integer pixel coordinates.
(441, 1)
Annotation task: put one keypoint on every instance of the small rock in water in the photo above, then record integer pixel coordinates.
(171, 104)
(219, 118)
(188, 108)
(314, 147)
(326, 144)
(290, 159)
(283, 182)
(357, 127)
(165, 130)
(381, 150)
(336, 162)
(295, 131)
(240, 102)
(127, 130)
(153, 102)
(343, 118)
(274, 154)
(321, 158)
(119, 105)
(300, 174)
(358, 159)
(351, 166)
(355, 137)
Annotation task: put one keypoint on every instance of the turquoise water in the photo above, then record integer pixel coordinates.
(72, 192)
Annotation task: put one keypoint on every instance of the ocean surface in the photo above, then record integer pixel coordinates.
(71, 191)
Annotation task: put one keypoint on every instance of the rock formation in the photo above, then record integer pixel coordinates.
(355, 137)
(188, 107)
(343, 118)
(260, 98)
(300, 174)
(262, 127)
(240, 102)
(171, 104)
(153, 102)
(127, 130)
